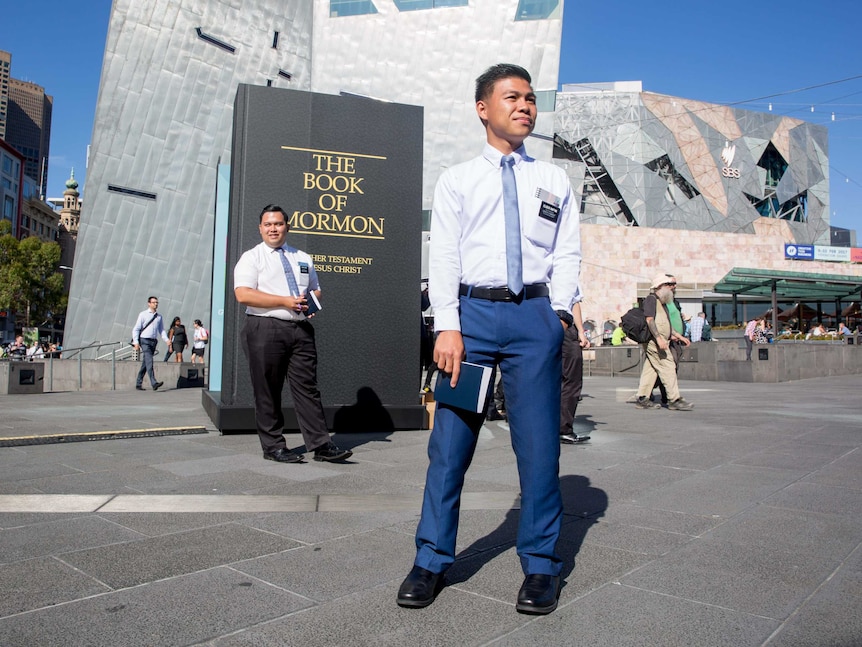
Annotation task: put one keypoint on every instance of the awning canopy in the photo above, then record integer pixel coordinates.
(789, 286)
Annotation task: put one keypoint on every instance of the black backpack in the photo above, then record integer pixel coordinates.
(634, 325)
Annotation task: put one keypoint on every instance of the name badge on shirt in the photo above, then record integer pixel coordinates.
(550, 207)
(303, 268)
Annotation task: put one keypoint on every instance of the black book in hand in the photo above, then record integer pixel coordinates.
(313, 303)
(471, 391)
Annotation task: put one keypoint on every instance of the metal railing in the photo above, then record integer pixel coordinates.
(79, 353)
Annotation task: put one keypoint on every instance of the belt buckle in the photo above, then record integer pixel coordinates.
(516, 298)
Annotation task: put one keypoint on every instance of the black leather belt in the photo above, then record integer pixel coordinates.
(504, 294)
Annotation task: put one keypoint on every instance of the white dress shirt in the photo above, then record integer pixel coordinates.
(468, 232)
(148, 328)
(260, 268)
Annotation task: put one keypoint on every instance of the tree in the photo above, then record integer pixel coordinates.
(30, 284)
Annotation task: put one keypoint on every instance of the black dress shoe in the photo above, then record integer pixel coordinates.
(157, 385)
(283, 455)
(139, 388)
(572, 439)
(330, 453)
(539, 594)
(495, 414)
(419, 588)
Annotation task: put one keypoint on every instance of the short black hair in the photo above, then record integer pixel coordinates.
(485, 82)
(272, 207)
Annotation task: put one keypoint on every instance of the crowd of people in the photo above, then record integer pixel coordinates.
(18, 350)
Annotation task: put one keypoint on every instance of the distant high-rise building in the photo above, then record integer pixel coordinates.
(5, 65)
(28, 127)
(11, 180)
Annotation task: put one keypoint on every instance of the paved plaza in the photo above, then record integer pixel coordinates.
(735, 524)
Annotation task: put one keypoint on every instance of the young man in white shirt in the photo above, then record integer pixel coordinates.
(272, 280)
(504, 264)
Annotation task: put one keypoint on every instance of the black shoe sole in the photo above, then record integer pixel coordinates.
(333, 459)
(536, 611)
(415, 604)
(298, 459)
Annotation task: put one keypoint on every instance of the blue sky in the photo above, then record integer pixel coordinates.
(730, 52)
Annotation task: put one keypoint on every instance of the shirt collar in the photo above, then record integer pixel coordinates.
(495, 157)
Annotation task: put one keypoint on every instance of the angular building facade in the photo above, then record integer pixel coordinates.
(659, 161)
(165, 109)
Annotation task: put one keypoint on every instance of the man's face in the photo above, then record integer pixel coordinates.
(509, 113)
(154, 304)
(664, 293)
(273, 229)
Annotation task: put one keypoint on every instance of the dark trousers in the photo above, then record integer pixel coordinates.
(749, 346)
(524, 339)
(148, 347)
(277, 350)
(573, 379)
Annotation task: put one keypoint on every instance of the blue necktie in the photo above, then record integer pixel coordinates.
(514, 270)
(288, 273)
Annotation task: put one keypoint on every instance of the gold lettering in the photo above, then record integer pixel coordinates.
(332, 202)
(337, 183)
(335, 163)
(333, 222)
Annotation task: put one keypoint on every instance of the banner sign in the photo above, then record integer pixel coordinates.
(799, 252)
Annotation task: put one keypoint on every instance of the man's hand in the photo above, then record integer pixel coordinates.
(449, 353)
(583, 340)
(257, 299)
(662, 343)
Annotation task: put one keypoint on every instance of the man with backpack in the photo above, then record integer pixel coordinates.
(658, 360)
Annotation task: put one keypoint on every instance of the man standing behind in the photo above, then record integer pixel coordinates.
(696, 330)
(145, 337)
(574, 343)
(658, 361)
(272, 280)
(504, 235)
